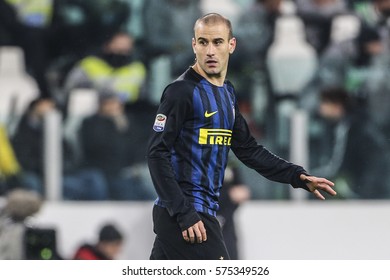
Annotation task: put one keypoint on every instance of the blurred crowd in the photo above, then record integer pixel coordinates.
(329, 58)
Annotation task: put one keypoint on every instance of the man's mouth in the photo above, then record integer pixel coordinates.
(211, 62)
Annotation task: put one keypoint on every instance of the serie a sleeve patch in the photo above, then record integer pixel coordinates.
(159, 123)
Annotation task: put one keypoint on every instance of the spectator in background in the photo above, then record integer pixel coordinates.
(317, 16)
(352, 64)
(73, 33)
(109, 143)
(168, 28)
(255, 31)
(379, 85)
(358, 151)
(107, 247)
(383, 8)
(27, 24)
(76, 21)
(233, 193)
(382, 24)
(114, 68)
(28, 143)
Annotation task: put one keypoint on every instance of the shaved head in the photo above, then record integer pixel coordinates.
(214, 18)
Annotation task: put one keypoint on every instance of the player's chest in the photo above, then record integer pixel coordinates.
(213, 109)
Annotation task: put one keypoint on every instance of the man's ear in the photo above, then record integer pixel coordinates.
(193, 45)
(232, 45)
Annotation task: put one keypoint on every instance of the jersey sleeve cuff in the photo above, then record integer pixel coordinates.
(299, 183)
(186, 220)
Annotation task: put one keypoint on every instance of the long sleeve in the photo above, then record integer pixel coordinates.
(173, 111)
(260, 159)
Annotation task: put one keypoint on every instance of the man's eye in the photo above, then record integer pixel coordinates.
(203, 43)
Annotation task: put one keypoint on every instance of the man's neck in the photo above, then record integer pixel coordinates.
(215, 80)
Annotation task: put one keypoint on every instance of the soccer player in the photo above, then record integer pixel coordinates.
(197, 123)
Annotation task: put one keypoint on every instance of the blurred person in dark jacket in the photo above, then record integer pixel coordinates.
(28, 143)
(256, 28)
(167, 29)
(379, 85)
(358, 155)
(27, 24)
(317, 16)
(107, 247)
(109, 143)
(255, 31)
(353, 64)
(74, 25)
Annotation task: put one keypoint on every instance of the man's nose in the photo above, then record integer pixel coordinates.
(210, 50)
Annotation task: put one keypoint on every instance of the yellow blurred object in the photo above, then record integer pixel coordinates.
(8, 163)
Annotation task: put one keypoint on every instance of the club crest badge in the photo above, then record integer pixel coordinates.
(159, 123)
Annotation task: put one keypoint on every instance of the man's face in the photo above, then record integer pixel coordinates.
(111, 107)
(383, 6)
(272, 6)
(110, 248)
(42, 107)
(331, 111)
(212, 48)
(120, 44)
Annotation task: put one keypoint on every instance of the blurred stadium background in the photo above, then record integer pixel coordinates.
(312, 80)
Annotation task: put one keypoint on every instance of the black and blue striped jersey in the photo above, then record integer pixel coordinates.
(197, 123)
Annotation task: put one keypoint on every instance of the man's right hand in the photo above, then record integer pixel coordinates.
(195, 233)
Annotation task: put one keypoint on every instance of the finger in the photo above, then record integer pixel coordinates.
(318, 194)
(203, 231)
(325, 181)
(198, 234)
(324, 186)
(328, 189)
(191, 234)
(185, 235)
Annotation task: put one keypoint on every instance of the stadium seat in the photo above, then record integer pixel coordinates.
(291, 60)
(11, 61)
(83, 102)
(291, 63)
(159, 77)
(228, 8)
(344, 27)
(17, 88)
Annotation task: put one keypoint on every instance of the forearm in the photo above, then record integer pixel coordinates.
(263, 161)
(271, 166)
(169, 191)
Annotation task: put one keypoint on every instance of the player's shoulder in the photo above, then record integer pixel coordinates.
(183, 86)
(230, 89)
(189, 79)
(230, 86)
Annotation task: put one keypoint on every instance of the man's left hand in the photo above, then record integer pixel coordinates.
(316, 184)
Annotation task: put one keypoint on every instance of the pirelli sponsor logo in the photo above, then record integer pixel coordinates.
(213, 136)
